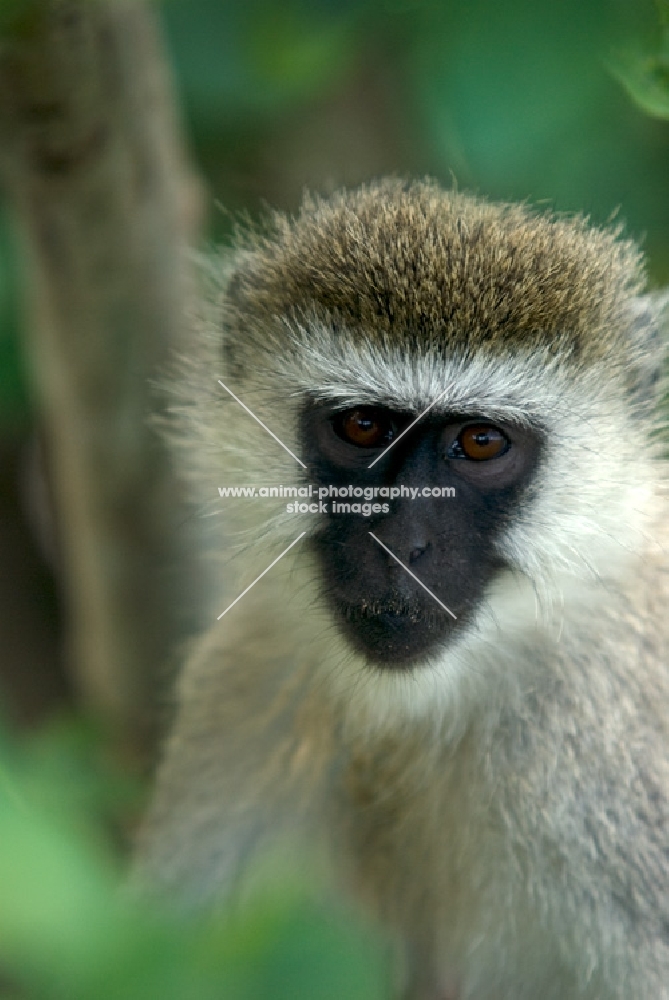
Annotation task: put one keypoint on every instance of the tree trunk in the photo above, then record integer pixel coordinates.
(105, 203)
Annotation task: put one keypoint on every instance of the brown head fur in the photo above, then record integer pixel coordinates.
(411, 264)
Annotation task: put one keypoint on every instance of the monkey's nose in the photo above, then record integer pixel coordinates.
(416, 553)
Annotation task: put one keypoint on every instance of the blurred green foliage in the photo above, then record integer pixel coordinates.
(644, 71)
(515, 100)
(236, 60)
(67, 933)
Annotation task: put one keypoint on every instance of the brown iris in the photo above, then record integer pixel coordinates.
(481, 442)
(365, 427)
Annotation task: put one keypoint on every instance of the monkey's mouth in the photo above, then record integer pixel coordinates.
(375, 609)
(394, 633)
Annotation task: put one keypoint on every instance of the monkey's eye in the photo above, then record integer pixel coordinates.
(365, 427)
(479, 443)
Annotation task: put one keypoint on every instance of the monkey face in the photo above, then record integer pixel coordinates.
(367, 309)
(407, 547)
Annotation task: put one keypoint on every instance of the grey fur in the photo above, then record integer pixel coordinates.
(505, 811)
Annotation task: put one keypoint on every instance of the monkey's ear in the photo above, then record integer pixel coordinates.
(649, 343)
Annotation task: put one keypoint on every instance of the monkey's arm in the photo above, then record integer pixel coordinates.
(244, 761)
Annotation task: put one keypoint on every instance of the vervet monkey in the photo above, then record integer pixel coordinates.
(488, 758)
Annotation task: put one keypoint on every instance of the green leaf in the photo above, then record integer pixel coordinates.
(645, 77)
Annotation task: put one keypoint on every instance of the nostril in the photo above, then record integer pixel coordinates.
(416, 553)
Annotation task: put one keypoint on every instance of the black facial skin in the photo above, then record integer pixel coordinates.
(448, 542)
